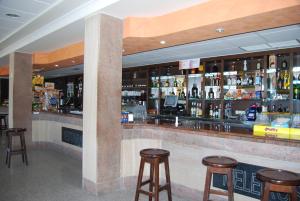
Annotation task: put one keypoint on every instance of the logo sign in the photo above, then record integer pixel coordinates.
(246, 183)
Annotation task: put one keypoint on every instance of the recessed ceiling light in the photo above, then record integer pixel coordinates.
(220, 30)
(12, 15)
(123, 50)
(163, 42)
(56, 65)
(73, 61)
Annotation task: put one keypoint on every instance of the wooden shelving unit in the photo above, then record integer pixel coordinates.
(156, 76)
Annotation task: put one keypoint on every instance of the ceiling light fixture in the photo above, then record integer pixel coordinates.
(12, 15)
(73, 61)
(56, 65)
(163, 42)
(220, 30)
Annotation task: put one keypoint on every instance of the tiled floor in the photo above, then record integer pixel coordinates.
(50, 176)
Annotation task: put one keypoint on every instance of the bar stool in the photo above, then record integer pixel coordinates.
(16, 132)
(278, 181)
(154, 157)
(220, 165)
(3, 123)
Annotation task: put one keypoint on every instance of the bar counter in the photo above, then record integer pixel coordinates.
(187, 147)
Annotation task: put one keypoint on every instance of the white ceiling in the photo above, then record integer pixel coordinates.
(26, 9)
(277, 38)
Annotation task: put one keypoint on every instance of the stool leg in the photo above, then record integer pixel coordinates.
(24, 152)
(140, 177)
(266, 192)
(294, 194)
(156, 175)
(151, 181)
(167, 171)
(22, 147)
(207, 184)
(230, 185)
(9, 148)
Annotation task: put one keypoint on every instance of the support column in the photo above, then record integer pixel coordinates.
(20, 92)
(102, 103)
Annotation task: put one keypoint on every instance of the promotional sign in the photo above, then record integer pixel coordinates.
(189, 63)
(246, 183)
(277, 132)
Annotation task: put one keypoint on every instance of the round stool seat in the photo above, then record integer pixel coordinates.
(16, 130)
(279, 177)
(219, 162)
(154, 153)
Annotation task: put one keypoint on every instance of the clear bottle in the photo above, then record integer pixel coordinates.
(194, 91)
(211, 93)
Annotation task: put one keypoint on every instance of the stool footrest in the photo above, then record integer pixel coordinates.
(164, 187)
(145, 182)
(218, 192)
(145, 192)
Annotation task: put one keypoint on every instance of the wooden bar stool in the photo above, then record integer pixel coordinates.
(154, 157)
(278, 181)
(220, 165)
(16, 132)
(3, 122)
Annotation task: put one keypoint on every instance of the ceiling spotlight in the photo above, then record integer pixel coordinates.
(123, 50)
(220, 30)
(163, 42)
(56, 65)
(12, 15)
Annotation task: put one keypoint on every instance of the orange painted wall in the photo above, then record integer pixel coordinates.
(211, 12)
(4, 71)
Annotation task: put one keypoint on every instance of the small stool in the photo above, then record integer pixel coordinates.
(154, 157)
(220, 165)
(278, 181)
(16, 132)
(3, 123)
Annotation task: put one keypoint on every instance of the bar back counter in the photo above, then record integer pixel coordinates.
(187, 148)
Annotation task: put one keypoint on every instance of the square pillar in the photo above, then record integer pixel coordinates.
(20, 93)
(102, 103)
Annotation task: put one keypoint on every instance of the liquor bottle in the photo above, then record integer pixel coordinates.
(238, 80)
(245, 65)
(279, 82)
(245, 80)
(211, 112)
(284, 65)
(286, 82)
(296, 93)
(229, 82)
(233, 81)
(216, 112)
(192, 109)
(194, 91)
(218, 93)
(212, 81)
(251, 80)
(200, 110)
(299, 76)
(258, 79)
(220, 108)
(215, 68)
(218, 80)
(175, 84)
(211, 93)
(258, 65)
(167, 83)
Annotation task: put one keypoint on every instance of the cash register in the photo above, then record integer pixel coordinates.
(172, 107)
